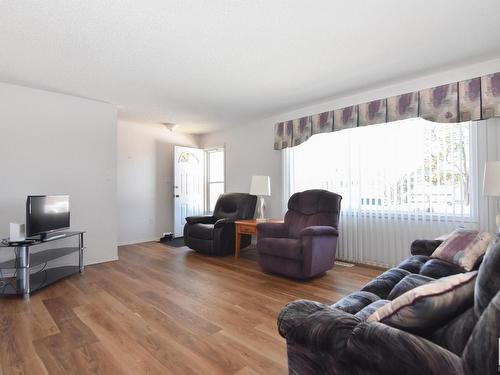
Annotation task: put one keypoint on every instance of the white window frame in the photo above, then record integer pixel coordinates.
(207, 173)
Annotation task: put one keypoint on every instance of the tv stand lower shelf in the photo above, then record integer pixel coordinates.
(31, 271)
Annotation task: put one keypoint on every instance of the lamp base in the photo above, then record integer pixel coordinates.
(261, 208)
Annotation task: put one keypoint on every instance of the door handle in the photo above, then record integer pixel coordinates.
(176, 196)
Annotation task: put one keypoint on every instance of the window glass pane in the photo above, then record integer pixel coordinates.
(216, 166)
(215, 190)
(407, 166)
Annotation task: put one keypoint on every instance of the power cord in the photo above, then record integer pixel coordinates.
(5, 283)
(11, 278)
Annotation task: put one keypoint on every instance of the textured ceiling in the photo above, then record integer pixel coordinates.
(216, 63)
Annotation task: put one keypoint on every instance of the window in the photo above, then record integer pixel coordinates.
(411, 166)
(215, 176)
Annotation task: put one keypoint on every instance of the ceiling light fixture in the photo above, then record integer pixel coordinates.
(171, 126)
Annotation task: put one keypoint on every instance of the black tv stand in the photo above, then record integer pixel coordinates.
(28, 275)
(49, 236)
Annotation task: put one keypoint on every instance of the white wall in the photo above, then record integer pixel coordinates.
(249, 151)
(53, 143)
(146, 179)
(249, 147)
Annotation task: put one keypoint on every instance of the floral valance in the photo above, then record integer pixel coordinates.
(472, 99)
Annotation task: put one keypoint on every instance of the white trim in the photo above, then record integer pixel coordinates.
(207, 174)
(135, 242)
(287, 177)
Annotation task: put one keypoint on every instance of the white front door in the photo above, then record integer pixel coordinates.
(188, 185)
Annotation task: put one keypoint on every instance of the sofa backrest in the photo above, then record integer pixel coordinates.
(481, 352)
(235, 206)
(472, 331)
(488, 278)
(312, 207)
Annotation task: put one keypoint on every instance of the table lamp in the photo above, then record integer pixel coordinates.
(261, 187)
(492, 182)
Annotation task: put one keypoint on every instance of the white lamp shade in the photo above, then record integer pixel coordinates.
(261, 185)
(492, 179)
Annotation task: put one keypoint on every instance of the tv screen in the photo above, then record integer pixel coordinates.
(46, 213)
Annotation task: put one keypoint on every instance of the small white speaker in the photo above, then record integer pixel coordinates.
(17, 232)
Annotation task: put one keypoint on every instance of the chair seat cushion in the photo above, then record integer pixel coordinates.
(280, 247)
(202, 231)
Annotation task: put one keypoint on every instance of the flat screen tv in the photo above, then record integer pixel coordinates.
(46, 214)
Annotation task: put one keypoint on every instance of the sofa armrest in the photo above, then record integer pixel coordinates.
(200, 220)
(271, 230)
(319, 230)
(424, 247)
(316, 326)
(380, 349)
(222, 222)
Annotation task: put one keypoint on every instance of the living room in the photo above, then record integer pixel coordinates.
(236, 187)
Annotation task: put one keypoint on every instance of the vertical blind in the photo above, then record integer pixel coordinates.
(400, 181)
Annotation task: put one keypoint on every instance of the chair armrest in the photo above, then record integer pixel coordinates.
(272, 230)
(221, 222)
(316, 326)
(319, 230)
(424, 247)
(380, 349)
(200, 220)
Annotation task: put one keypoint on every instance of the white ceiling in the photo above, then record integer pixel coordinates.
(217, 63)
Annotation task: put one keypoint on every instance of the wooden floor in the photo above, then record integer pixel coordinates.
(160, 310)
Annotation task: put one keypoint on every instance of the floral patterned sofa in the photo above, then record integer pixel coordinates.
(340, 339)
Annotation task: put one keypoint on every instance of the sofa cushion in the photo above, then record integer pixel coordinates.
(437, 268)
(383, 284)
(281, 247)
(455, 334)
(202, 231)
(355, 302)
(488, 278)
(407, 283)
(480, 355)
(365, 312)
(463, 248)
(429, 306)
(414, 263)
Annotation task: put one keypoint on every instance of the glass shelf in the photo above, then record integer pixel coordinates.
(41, 257)
(38, 280)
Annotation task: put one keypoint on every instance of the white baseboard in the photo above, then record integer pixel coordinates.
(99, 261)
(133, 242)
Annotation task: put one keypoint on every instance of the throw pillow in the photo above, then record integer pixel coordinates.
(429, 306)
(463, 248)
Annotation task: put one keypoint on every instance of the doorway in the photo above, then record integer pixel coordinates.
(188, 185)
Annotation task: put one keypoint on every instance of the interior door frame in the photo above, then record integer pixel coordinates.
(207, 173)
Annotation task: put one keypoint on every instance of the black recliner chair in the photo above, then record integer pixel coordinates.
(215, 235)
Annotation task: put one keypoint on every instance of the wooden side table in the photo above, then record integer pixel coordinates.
(247, 227)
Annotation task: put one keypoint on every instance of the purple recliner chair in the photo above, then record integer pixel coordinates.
(304, 245)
